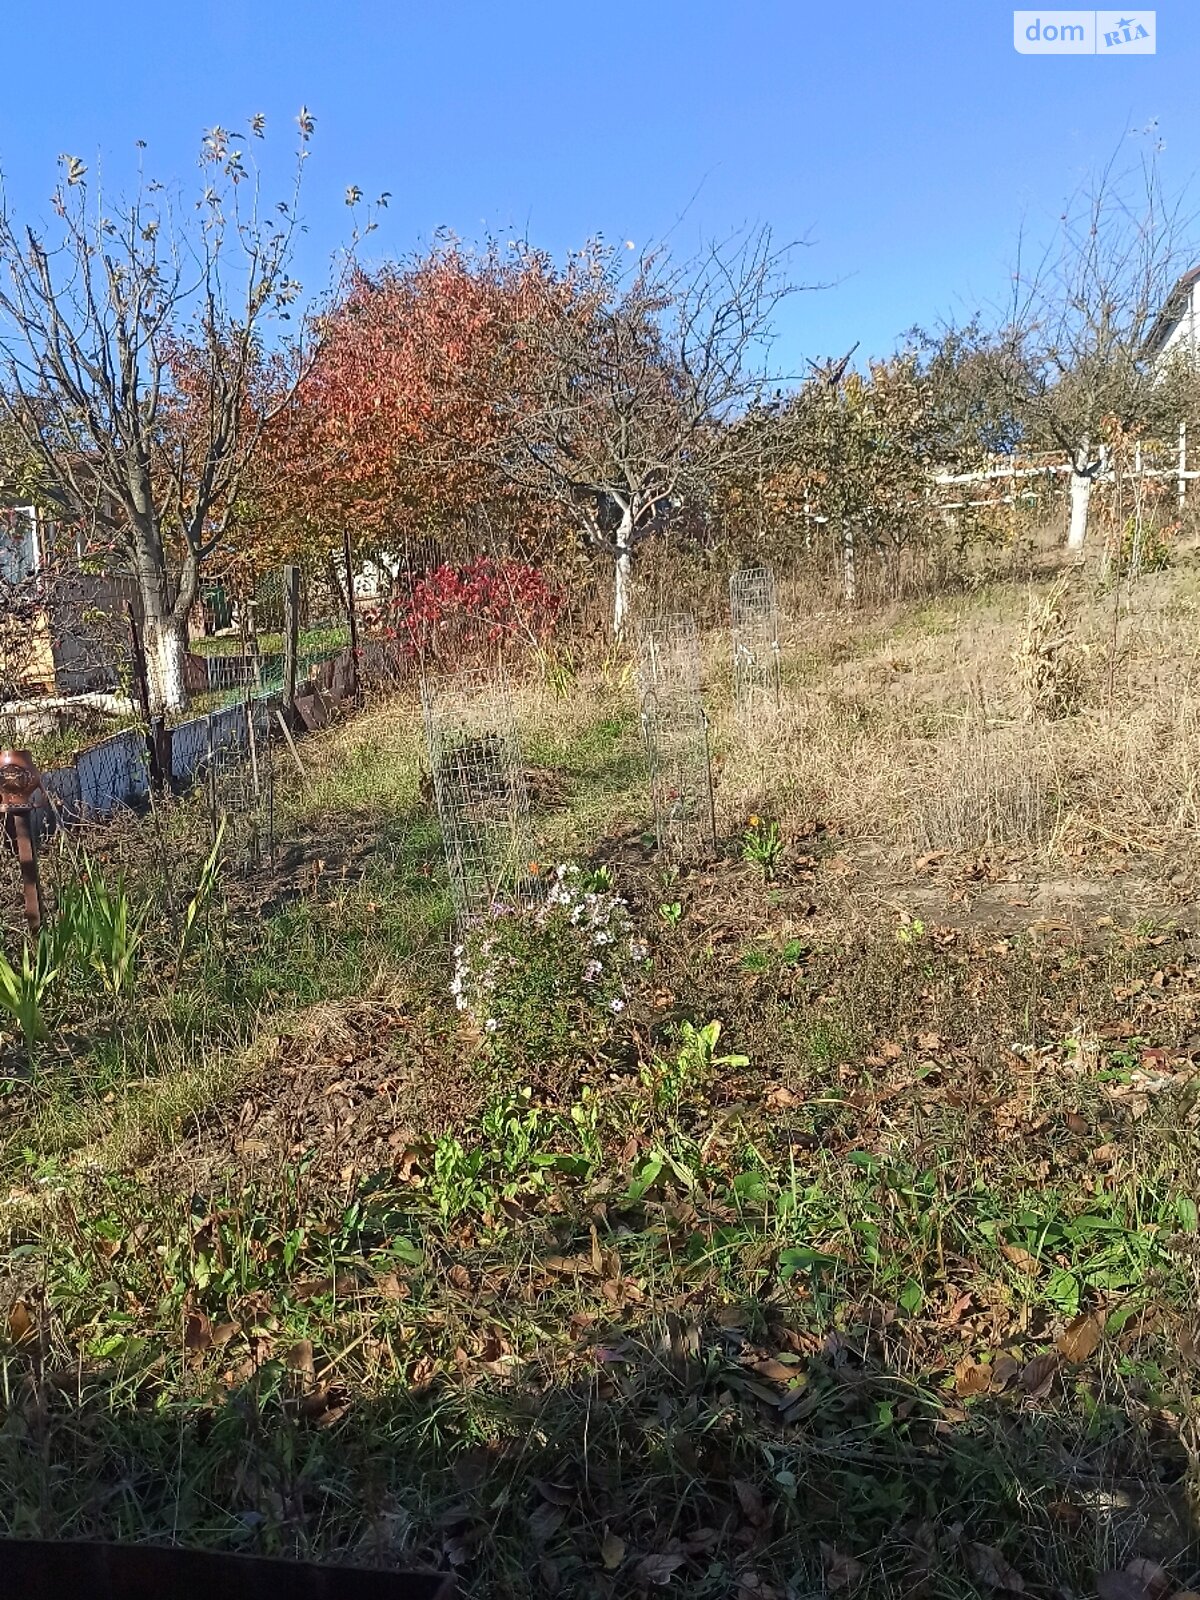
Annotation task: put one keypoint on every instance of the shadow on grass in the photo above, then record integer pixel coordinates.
(615, 1464)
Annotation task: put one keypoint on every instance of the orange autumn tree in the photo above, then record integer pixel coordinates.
(398, 429)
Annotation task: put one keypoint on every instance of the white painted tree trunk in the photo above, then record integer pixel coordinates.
(622, 577)
(1081, 498)
(166, 657)
(849, 570)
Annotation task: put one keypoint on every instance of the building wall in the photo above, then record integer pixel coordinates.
(90, 633)
(1185, 331)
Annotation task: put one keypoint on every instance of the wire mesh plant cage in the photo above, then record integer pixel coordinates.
(480, 791)
(675, 730)
(240, 784)
(754, 622)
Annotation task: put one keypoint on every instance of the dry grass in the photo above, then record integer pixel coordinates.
(908, 729)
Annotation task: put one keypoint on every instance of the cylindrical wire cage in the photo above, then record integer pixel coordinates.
(480, 791)
(754, 622)
(675, 730)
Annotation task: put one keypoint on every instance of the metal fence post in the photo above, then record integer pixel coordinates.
(351, 616)
(291, 635)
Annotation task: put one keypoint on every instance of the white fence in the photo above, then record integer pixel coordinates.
(115, 774)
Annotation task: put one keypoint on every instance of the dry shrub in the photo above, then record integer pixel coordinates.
(983, 790)
(1050, 660)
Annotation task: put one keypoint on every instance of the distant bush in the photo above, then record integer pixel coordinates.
(481, 608)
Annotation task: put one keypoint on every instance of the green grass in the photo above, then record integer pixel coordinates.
(312, 641)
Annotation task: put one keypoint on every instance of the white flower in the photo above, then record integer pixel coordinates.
(490, 1025)
(616, 1007)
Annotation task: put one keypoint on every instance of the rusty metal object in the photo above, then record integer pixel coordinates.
(20, 783)
(33, 1567)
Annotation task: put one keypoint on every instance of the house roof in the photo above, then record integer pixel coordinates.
(1171, 311)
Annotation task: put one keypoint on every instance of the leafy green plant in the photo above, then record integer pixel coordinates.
(762, 844)
(98, 930)
(694, 1064)
(23, 988)
(198, 906)
(671, 914)
(455, 1183)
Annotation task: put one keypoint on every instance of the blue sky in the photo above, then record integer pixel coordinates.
(909, 142)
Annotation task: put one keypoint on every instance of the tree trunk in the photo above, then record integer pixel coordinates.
(166, 659)
(165, 611)
(1081, 495)
(849, 566)
(622, 576)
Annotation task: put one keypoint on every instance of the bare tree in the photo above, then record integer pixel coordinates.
(132, 337)
(1077, 347)
(629, 385)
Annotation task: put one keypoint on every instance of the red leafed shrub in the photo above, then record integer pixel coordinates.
(478, 609)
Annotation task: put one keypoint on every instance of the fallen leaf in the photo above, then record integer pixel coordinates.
(20, 1323)
(1081, 1337)
(545, 1520)
(1064, 1511)
(557, 1494)
(1037, 1378)
(959, 1307)
(777, 1371)
(782, 1097)
(569, 1264)
(1004, 1372)
(460, 1278)
(300, 1357)
(549, 1574)
(660, 1566)
(197, 1331)
(972, 1377)
(612, 1551)
(1120, 1585)
(990, 1567)
(700, 1540)
(841, 1571)
(1020, 1257)
(1150, 1574)
(344, 1285)
(753, 1587)
(751, 1502)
